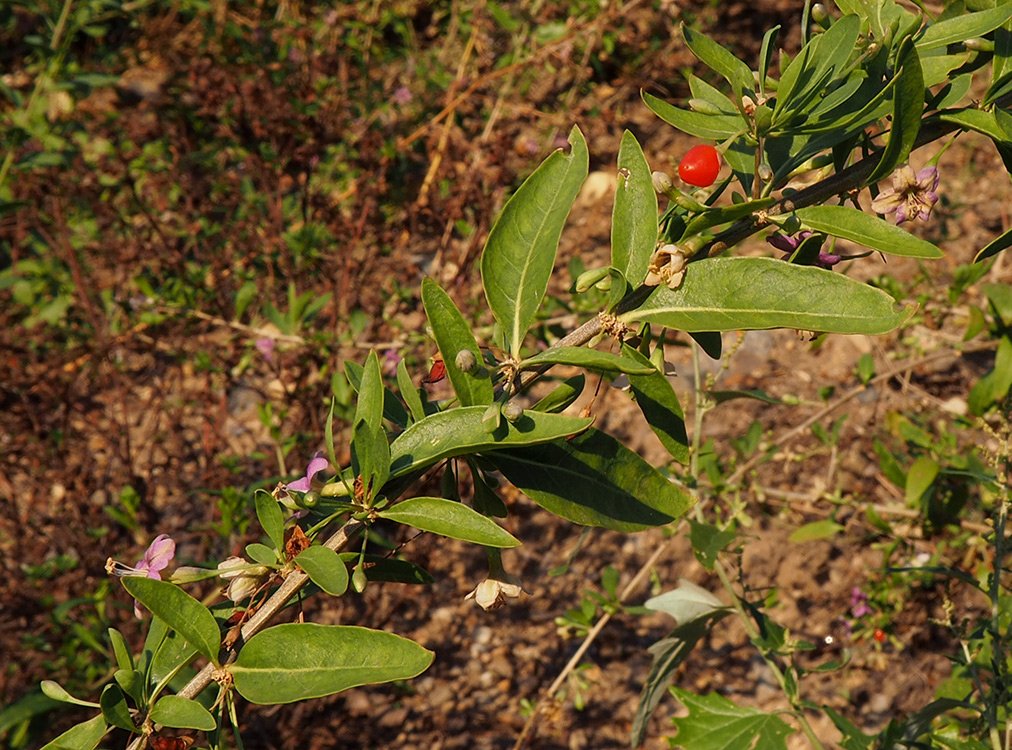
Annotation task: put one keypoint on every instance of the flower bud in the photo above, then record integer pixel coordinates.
(980, 45)
(512, 411)
(309, 499)
(821, 16)
(591, 277)
(358, 579)
(765, 172)
(748, 105)
(662, 183)
(466, 361)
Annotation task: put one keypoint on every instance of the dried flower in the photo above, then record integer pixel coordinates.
(156, 558)
(243, 577)
(492, 593)
(667, 266)
(305, 484)
(912, 195)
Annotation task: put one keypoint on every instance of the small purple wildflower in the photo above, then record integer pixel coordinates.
(265, 346)
(912, 195)
(402, 95)
(789, 245)
(391, 358)
(156, 558)
(859, 603)
(316, 465)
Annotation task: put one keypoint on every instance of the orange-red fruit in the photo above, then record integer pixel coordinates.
(880, 635)
(700, 166)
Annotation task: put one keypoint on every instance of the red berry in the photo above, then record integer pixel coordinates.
(879, 635)
(700, 166)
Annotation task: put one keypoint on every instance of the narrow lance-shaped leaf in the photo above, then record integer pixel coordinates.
(272, 520)
(179, 610)
(870, 231)
(393, 409)
(908, 105)
(659, 403)
(460, 431)
(473, 386)
(297, 661)
(83, 736)
(594, 480)
(520, 253)
(409, 392)
(451, 519)
(964, 26)
(634, 217)
(731, 294)
(719, 59)
(592, 359)
(711, 127)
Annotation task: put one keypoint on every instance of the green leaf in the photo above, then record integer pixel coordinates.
(592, 359)
(460, 431)
(920, 477)
(710, 127)
(870, 231)
(453, 335)
(562, 396)
(272, 520)
(720, 60)
(297, 661)
(594, 480)
(409, 392)
(702, 90)
(55, 691)
(83, 736)
(908, 106)
(964, 26)
(708, 541)
(816, 530)
(978, 120)
(659, 404)
(715, 723)
(179, 611)
(725, 214)
(766, 54)
(182, 713)
(520, 252)
(369, 409)
(450, 518)
(124, 660)
(131, 682)
(995, 385)
(262, 554)
(719, 397)
(634, 217)
(392, 407)
(668, 654)
(324, 568)
(165, 651)
(115, 709)
(729, 294)
(686, 602)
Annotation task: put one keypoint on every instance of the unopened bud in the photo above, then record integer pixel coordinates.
(821, 16)
(308, 499)
(512, 411)
(466, 361)
(358, 579)
(662, 183)
(980, 45)
(765, 172)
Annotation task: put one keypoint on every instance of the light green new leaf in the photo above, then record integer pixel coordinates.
(965, 26)
(685, 602)
(592, 359)
(731, 294)
(55, 691)
(182, 713)
(720, 60)
(870, 231)
(449, 518)
(453, 335)
(83, 736)
(634, 217)
(815, 530)
(124, 659)
(920, 477)
(710, 127)
(324, 568)
(700, 89)
(908, 106)
(594, 480)
(115, 708)
(179, 611)
(298, 661)
(520, 252)
(461, 431)
(659, 404)
(272, 520)
(715, 723)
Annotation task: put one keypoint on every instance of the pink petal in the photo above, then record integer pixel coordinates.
(886, 202)
(158, 555)
(318, 464)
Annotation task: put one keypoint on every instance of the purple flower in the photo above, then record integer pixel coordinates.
(912, 195)
(316, 465)
(156, 558)
(789, 245)
(402, 95)
(859, 603)
(265, 346)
